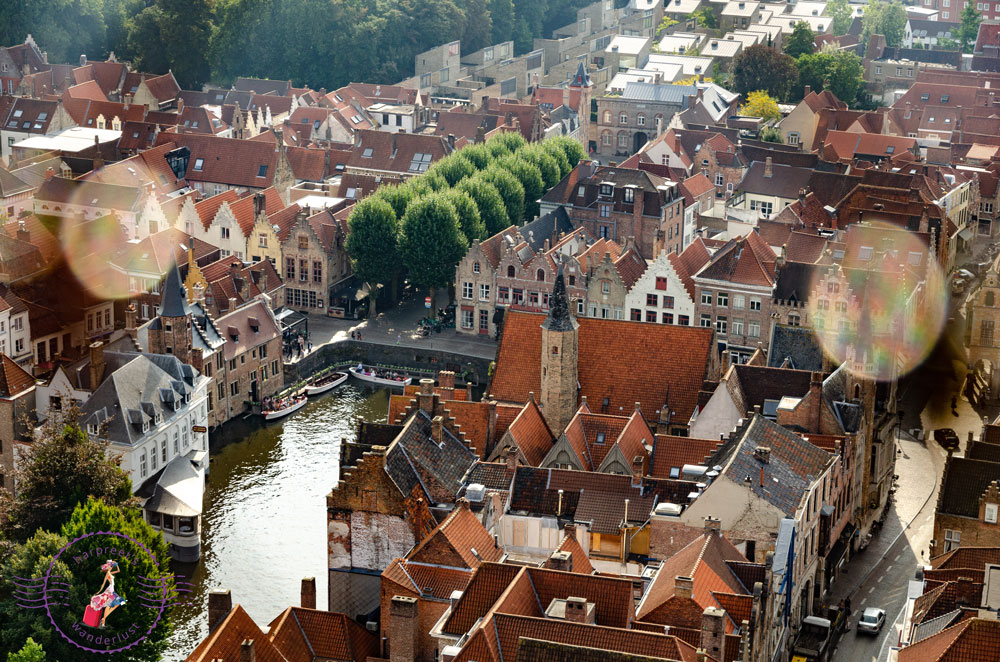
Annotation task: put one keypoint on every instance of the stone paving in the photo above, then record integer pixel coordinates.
(400, 326)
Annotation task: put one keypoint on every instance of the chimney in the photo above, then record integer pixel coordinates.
(437, 432)
(815, 401)
(807, 90)
(232, 304)
(561, 561)
(511, 456)
(22, 232)
(491, 424)
(763, 454)
(403, 629)
(258, 204)
(451, 140)
(180, 106)
(578, 610)
(713, 631)
(130, 324)
(425, 398)
(98, 159)
(220, 603)
(83, 60)
(446, 384)
(768, 167)
(96, 364)
(683, 586)
(49, 173)
(247, 651)
(308, 593)
(128, 101)
(713, 524)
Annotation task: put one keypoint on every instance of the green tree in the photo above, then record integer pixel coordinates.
(531, 180)
(432, 243)
(435, 180)
(842, 14)
(453, 169)
(706, 17)
(187, 26)
(572, 149)
(761, 67)
(840, 72)
(63, 28)
(559, 155)
(477, 155)
(802, 40)
(398, 196)
(469, 219)
(61, 468)
(547, 166)
(770, 134)
(761, 104)
(31, 652)
(488, 202)
(502, 13)
(665, 24)
(968, 31)
(32, 559)
(884, 18)
(510, 189)
(512, 140)
(372, 243)
(478, 31)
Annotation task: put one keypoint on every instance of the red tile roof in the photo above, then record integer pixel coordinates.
(452, 541)
(532, 434)
(972, 640)
(689, 262)
(670, 451)
(13, 379)
(304, 635)
(742, 260)
(223, 643)
(623, 362)
(630, 266)
(209, 207)
(580, 560)
(226, 160)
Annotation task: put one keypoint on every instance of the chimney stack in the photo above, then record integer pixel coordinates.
(511, 456)
(247, 651)
(713, 524)
(768, 167)
(220, 603)
(425, 398)
(713, 631)
(578, 610)
(683, 586)
(561, 561)
(437, 429)
(130, 321)
(308, 593)
(403, 629)
(96, 364)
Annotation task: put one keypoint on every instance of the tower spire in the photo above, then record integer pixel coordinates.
(173, 302)
(559, 317)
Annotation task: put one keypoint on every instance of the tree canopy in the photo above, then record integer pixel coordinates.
(31, 652)
(61, 468)
(968, 30)
(432, 242)
(761, 104)
(510, 189)
(764, 68)
(489, 203)
(469, 219)
(842, 15)
(802, 41)
(884, 18)
(840, 72)
(372, 239)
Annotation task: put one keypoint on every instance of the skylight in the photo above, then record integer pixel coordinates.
(890, 149)
(42, 116)
(367, 153)
(865, 253)
(420, 162)
(199, 164)
(262, 171)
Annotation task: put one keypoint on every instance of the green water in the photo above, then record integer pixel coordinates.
(264, 525)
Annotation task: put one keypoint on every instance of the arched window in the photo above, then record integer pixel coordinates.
(607, 117)
(658, 120)
(857, 391)
(606, 138)
(989, 298)
(540, 276)
(623, 118)
(640, 119)
(510, 271)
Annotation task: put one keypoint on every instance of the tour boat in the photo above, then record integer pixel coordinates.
(371, 376)
(326, 383)
(287, 407)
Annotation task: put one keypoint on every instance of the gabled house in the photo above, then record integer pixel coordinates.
(17, 402)
(27, 117)
(659, 294)
(137, 212)
(315, 259)
(604, 443)
(396, 154)
(799, 126)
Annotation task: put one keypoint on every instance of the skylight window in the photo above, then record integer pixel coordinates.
(420, 162)
(367, 153)
(194, 124)
(199, 164)
(352, 193)
(262, 171)
(890, 149)
(865, 253)
(945, 98)
(925, 97)
(42, 116)
(356, 119)
(18, 113)
(914, 258)
(187, 122)
(135, 134)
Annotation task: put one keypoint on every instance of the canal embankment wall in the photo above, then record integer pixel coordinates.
(469, 369)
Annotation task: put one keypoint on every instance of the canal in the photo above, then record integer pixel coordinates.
(264, 524)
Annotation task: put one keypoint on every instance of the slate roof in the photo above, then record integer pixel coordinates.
(795, 281)
(798, 345)
(548, 226)
(263, 86)
(414, 458)
(752, 385)
(784, 182)
(964, 482)
(675, 94)
(785, 478)
(625, 362)
(491, 475)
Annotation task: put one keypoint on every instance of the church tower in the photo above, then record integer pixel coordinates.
(581, 85)
(559, 358)
(170, 332)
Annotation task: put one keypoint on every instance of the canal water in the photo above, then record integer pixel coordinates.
(264, 523)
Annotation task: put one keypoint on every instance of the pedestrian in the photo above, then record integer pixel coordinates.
(352, 334)
(399, 336)
(359, 335)
(310, 345)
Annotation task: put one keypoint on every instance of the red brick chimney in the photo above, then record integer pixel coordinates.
(437, 429)
(768, 167)
(96, 364)
(815, 401)
(308, 593)
(247, 651)
(220, 603)
(512, 457)
(403, 629)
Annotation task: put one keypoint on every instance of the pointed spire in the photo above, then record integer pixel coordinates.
(582, 78)
(559, 317)
(172, 301)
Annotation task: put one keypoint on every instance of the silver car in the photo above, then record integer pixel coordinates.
(871, 621)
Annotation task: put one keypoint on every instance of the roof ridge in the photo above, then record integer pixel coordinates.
(302, 630)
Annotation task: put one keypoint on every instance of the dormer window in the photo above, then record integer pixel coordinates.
(629, 194)
(91, 428)
(607, 189)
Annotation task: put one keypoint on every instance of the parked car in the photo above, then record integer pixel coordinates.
(871, 621)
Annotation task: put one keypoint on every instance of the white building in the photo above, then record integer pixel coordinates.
(659, 295)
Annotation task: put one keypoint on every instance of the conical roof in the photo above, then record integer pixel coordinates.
(173, 302)
(559, 317)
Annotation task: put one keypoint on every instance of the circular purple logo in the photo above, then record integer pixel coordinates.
(110, 557)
